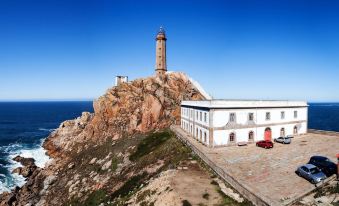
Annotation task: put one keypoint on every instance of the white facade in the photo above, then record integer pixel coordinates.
(228, 122)
(120, 79)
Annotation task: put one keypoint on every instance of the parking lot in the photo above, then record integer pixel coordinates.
(270, 173)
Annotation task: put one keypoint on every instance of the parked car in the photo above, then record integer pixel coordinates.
(326, 165)
(265, 144)
(283, 140)
(311, 172)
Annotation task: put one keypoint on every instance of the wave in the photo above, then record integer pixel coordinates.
(44, 129)
(38, 153)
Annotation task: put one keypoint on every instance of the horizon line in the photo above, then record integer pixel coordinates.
(92, 99)
(49, 100)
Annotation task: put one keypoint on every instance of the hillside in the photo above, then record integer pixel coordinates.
(114, 148)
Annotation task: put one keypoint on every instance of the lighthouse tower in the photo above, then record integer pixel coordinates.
(160, 59)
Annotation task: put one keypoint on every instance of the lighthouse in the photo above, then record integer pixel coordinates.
(160, 59)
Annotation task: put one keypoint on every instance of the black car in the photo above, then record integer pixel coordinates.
(325, 164)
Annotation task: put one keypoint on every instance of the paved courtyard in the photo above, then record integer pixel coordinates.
(270, 173)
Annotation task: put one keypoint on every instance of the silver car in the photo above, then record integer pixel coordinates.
(284, 140)
(311, 173)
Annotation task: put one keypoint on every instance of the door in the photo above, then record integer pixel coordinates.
(282, 132)
(295, 130)
(268, 134)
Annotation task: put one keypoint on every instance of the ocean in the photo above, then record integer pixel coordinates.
(24, 126)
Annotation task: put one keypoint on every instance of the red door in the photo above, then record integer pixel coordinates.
(268, 134)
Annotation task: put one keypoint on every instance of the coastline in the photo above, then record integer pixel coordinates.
(38, 153)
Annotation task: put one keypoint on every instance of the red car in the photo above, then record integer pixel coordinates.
(265, 144)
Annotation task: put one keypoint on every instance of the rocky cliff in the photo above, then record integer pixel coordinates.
(97, 155)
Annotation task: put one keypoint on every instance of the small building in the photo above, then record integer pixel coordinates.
(120, 79)
(230, 122)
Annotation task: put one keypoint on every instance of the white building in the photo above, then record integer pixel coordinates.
(120, 79)
(229, 122)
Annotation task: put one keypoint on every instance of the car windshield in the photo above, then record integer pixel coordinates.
(314, 170)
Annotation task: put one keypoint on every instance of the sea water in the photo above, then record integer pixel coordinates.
(23, 128)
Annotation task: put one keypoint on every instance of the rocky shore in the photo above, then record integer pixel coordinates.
(102, 154)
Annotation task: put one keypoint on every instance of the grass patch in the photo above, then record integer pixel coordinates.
(129, 186)
(186, 203)
(226, 200)
(150, 143)
(114, 165)
(95, 198)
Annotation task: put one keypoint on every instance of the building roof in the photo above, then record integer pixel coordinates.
(222, 103)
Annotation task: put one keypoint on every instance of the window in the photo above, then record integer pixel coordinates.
(232, 137)
(304, 168)
(282, 115)
(200, 135)
(196, 134)
(282, 132)
(251, 136)
(250, 117)
(200, 116)
(205, 137)
(205, 117)
(268, 115)
(232, 117)
(295, 114)
(197, 115)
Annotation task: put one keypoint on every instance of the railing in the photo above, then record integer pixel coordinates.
(241, 188)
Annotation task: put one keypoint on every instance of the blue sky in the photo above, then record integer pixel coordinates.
(55, 49)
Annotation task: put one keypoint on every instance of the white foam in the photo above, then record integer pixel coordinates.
(44, 129)
(4, 187)
(38, 154)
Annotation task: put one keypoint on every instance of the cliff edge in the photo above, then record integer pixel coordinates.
(124, 139)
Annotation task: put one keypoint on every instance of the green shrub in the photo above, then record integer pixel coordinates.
(206, 196)
(114, 164)
(150, 143)
(129, 186)
(186, 203)
(95, 198)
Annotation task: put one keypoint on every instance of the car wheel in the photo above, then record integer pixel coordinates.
(313, 182)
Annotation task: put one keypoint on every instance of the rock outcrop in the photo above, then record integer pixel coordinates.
(92, 150)
(138, 106)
